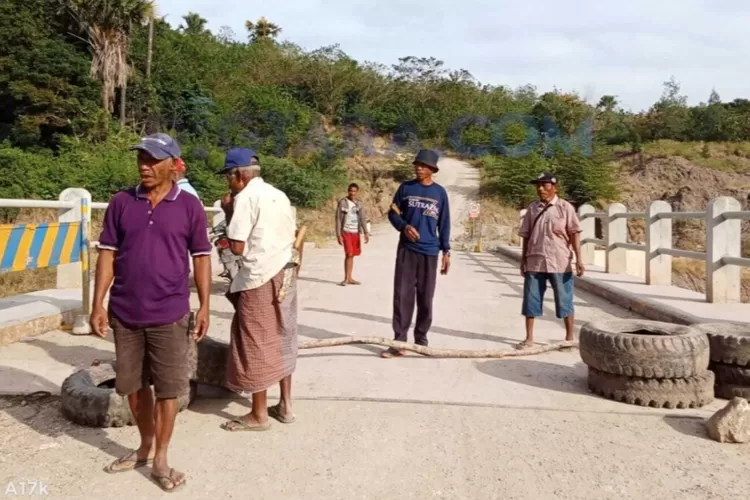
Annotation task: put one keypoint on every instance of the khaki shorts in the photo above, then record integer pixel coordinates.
(157, 355)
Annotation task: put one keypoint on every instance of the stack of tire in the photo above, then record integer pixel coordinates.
(648, 363)
(730, 358)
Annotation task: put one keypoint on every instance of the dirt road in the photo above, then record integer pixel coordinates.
(370, 428)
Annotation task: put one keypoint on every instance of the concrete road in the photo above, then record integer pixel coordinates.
(371, 428)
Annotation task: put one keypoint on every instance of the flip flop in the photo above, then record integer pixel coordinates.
(354, 282)
(521, 346)
(164, 482)
(125, 464)
(275, 413)
(243, 426)
(343, 283)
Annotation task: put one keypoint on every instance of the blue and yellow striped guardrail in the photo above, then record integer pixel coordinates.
(32, 246)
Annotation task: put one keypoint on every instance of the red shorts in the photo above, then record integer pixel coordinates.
(352, 244)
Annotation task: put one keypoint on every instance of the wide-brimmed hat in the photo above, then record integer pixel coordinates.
(545, 177)
(428, 157)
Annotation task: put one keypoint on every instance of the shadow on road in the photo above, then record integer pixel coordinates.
(550, 376)
(42, 414)
(436, 329)
(693, 427)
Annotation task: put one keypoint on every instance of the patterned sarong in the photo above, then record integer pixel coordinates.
(263, 344)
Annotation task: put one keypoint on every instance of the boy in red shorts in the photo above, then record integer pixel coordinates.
(350, 222)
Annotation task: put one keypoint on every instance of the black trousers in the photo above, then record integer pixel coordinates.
(414, 278)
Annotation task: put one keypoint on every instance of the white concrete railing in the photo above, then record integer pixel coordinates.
(723, 256)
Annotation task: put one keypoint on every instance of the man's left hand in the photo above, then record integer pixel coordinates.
(201, 324)
(367, 238)
(446, 264)
(580, 268)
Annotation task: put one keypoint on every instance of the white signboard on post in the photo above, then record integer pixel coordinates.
(474, 210)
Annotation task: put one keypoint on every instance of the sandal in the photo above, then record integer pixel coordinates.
(127, 463)
(243, 426)
(169, 483)
(522, 346)
(275, 412)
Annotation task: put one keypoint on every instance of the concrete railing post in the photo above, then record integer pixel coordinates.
(658, 235)
(617, 232)
(521, 215)
(723, 239)
(69, 275)
(218, 216)
(588, 230)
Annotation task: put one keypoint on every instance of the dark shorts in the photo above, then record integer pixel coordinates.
(534, 286)
(157, 355)
(352, 244)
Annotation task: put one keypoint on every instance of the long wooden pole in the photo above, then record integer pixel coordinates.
(440, 353)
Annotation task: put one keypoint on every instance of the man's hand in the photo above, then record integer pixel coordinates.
(201, 324)
(580, 268)
(367, 238)
(99, 322)
(523, 267)
(341, 240)
(446, 264)
(227, 204)
(411, 233)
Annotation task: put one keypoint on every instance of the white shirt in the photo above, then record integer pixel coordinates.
(351, 222)
(263, 218)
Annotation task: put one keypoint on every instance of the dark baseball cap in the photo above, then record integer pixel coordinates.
(160, 146)
(545, 177)
(239, 157)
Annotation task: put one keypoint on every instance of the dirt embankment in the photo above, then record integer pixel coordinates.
(688, 188)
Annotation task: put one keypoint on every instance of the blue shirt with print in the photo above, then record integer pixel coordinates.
(425, 208)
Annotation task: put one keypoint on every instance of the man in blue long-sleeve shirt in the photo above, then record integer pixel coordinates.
(421, 213)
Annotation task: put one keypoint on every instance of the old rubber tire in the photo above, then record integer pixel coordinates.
(691, 392)
(208, 361)
(731, 391)
(730, 343)
(84, 402)
(647, 349)
(730, 374)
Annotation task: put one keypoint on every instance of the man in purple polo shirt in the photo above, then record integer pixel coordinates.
(147, 234)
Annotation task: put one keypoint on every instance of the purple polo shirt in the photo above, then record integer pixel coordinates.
(150, 286)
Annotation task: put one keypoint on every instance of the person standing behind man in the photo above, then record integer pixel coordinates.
(263, 337)
(350, 222)
(550, 229)
(143, 253)
(182, 181)
(421, 213)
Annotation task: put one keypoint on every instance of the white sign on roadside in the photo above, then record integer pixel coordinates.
(474, 210)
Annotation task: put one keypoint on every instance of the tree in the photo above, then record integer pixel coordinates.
(194, 24)
(108, 25)
(262, 30)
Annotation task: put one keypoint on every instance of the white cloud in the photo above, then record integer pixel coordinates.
(593, 47)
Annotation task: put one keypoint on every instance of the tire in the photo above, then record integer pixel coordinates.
(731, 374)
(691, 392)
(85, 402)
(646, 349)
(208, 362)
(730, 343)
(731, 391)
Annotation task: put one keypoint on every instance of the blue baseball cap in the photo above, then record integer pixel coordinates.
(160, 146)
(239, 157)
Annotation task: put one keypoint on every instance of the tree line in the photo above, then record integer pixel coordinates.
(81, 79)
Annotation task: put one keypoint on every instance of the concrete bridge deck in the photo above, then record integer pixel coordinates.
(367, 427)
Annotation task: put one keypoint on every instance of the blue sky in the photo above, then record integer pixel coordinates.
(627, 49)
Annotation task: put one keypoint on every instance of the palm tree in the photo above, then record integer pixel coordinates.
(263, 29)
(194, 24)
(108, 25)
